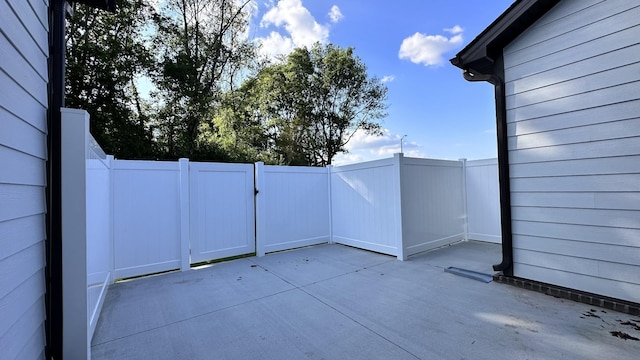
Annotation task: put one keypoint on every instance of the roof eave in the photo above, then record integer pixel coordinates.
(480, 53)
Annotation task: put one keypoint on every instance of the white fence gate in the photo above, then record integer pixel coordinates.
(221, 210)
(293, 206)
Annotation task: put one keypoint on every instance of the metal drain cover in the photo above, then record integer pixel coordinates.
(487, 278)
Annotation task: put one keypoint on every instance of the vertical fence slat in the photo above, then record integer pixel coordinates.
(329, 171)
(185, 250)
(398, 164)
(110, 160)
(464, 200)
(260, 210)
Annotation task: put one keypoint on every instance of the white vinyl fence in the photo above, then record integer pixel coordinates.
(293, 207)
(483, 200)
(433, 210)
(146, 217)
(365, 206)
(169, 215)
(98, 200)
(399, 206)
(134, 218)
(221, 210)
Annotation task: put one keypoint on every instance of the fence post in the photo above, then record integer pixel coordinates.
(112, 255)
(398, 164)
(74, 130)
(465, 207)
(260, 209)
(329, 171)
(185, 250)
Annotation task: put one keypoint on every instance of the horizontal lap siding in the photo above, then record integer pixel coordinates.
(573, 121)
(23, 124)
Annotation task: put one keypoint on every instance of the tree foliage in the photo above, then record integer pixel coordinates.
(312, 104)
(209, 98)
(106, 53)
(201, 47)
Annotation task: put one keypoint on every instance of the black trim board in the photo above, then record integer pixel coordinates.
(53, 268)
(53, 242)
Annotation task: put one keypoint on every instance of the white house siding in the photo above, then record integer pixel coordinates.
(573, 120)
(23, 126)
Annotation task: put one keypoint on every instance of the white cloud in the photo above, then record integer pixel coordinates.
(387, 78)
(335, 14)
(301, 26)
(457, 29)
(348, 158)
(364, 147)
(429, 50)
(275, 44)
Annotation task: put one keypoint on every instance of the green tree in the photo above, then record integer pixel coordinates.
(312, 104)
(202, 46)
(236, 131)
(106, 53)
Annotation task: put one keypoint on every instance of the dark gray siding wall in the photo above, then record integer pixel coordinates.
(573, 113)
(23, 126)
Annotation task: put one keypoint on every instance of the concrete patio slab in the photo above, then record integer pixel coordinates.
(337, 302)
(148, 303)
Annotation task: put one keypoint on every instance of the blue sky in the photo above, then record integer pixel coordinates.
(409, 44)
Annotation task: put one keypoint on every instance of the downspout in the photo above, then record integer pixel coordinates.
(53, 268)
(506, 266)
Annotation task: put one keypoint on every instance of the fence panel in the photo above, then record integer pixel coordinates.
(483, 200)
(364, 206)
(432, 204)
(146, 215)
(221, 210)
(295, 207)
